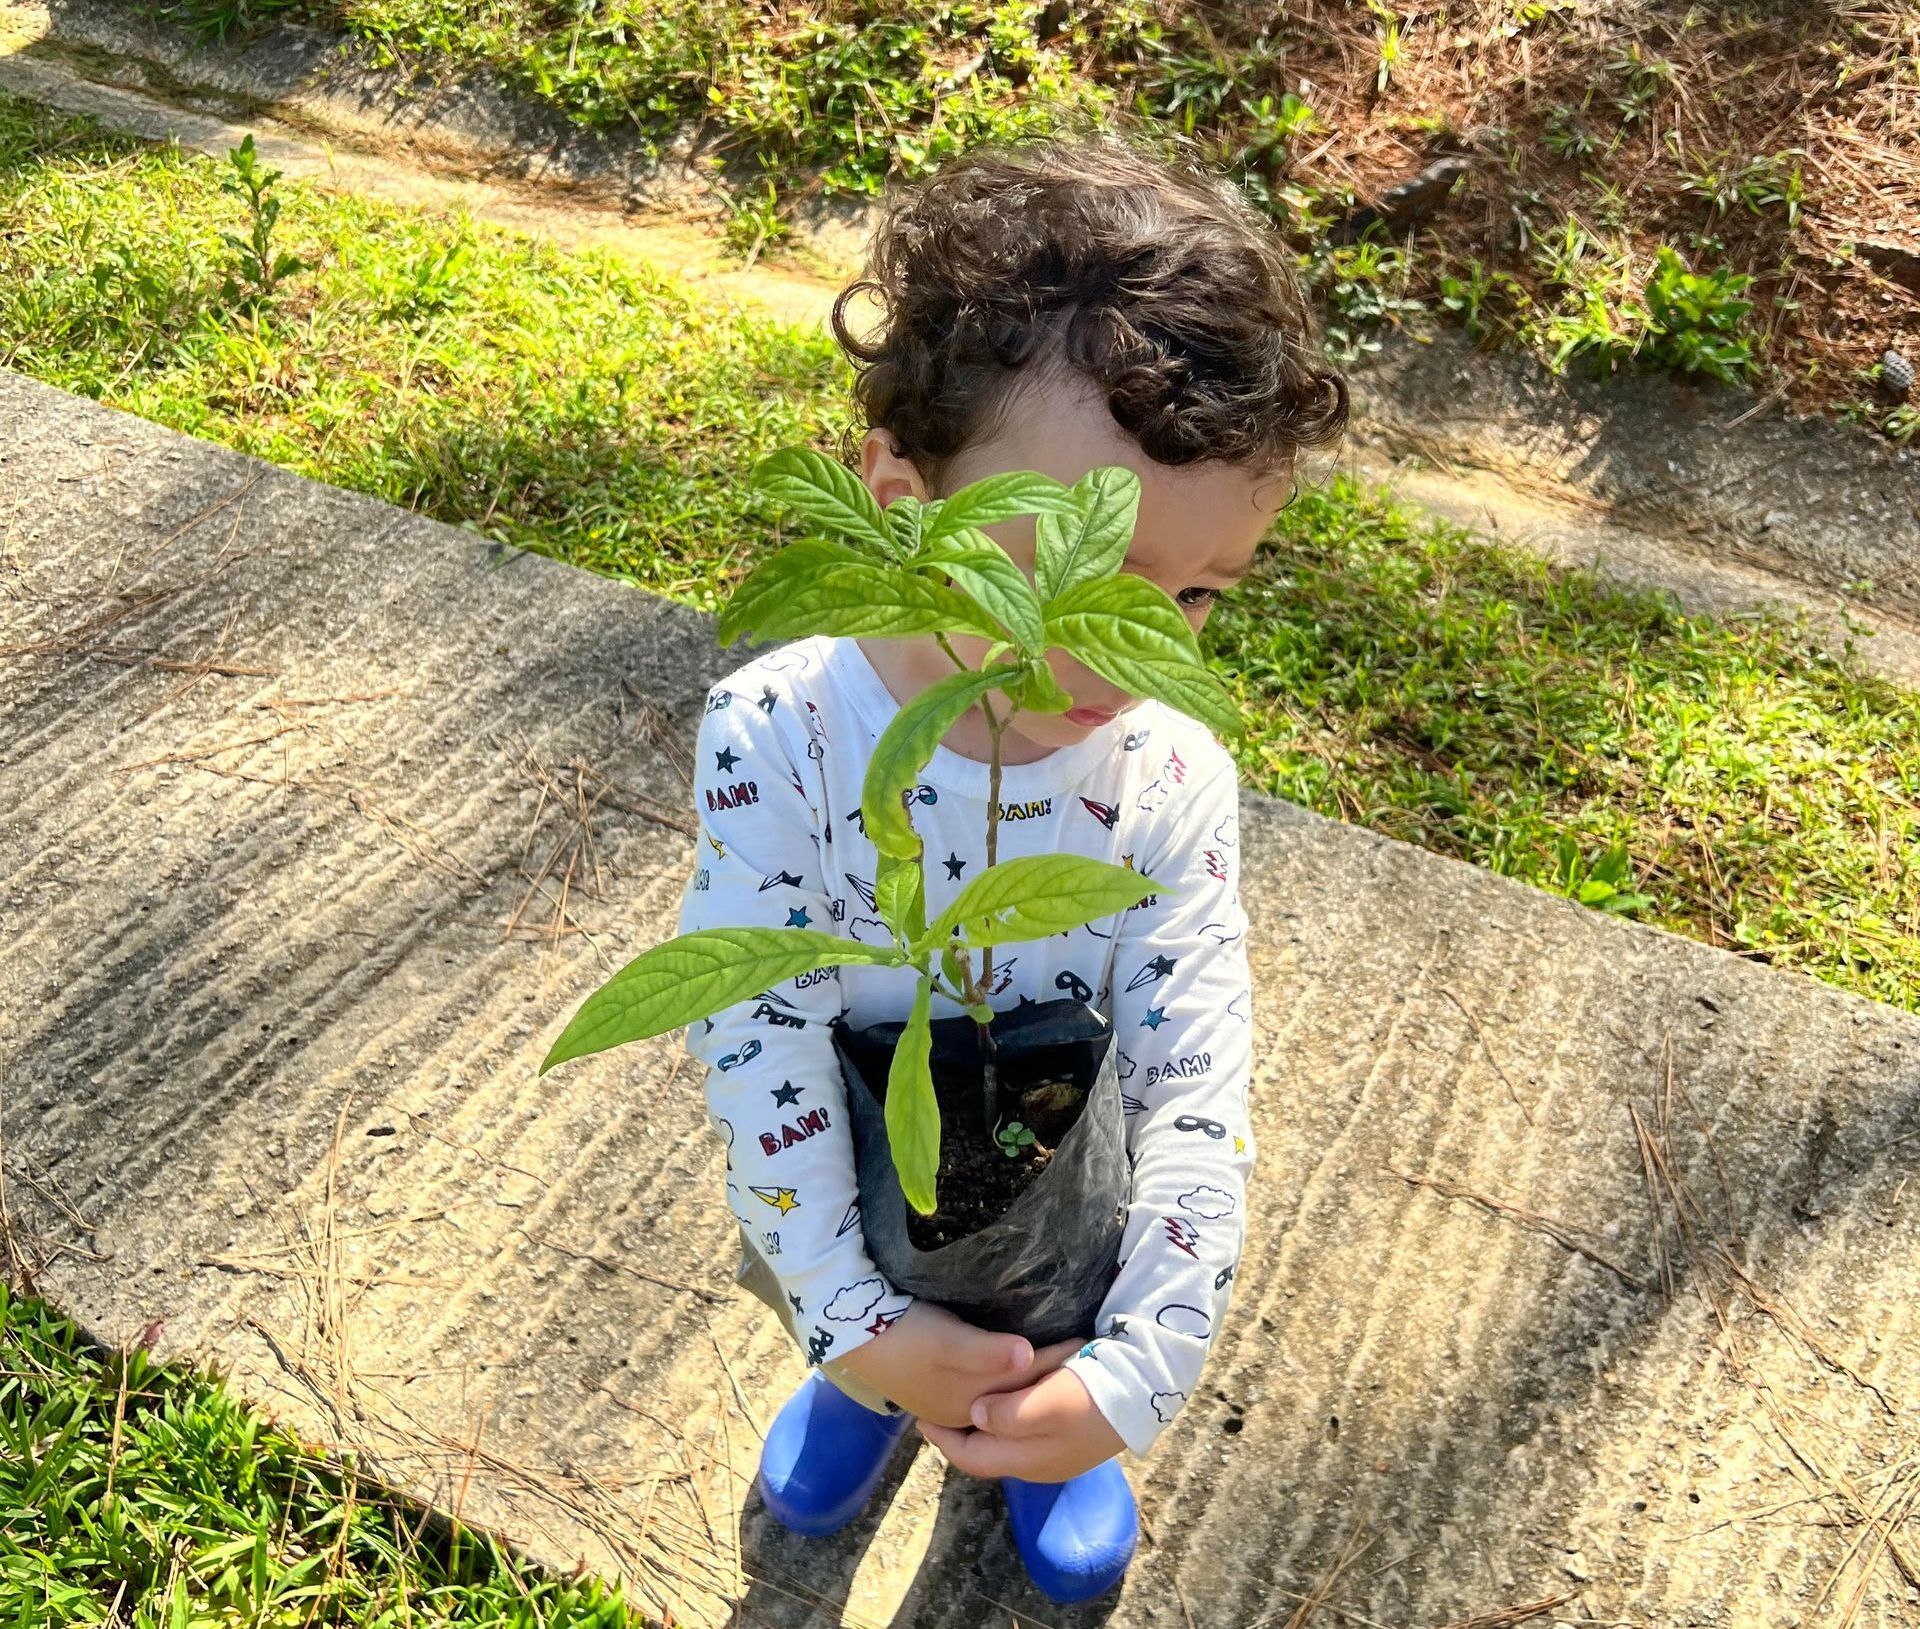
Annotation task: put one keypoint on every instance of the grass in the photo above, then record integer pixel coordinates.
(1725, 778)
(149, 1497)
(436, 365)
(1758, 143)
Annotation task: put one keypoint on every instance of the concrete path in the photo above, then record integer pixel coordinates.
(1586, 1258)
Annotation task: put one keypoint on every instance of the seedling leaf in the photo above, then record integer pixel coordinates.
(1131, 633)
(696, 975)
(913, 1117)
(1035, 897)
(825, 491)
(1089, 542)
(902, 752)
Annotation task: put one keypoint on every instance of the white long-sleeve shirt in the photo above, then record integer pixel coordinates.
(780, 760)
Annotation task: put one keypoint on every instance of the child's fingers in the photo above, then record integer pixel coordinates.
(988, 1353)
(1045, 1361)
(1025, 1413)
(1049, 1358)
(972, 1451)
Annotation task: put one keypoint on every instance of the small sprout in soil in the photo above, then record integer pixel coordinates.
(1013, 1137)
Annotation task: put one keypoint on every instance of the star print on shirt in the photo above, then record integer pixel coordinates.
(955, 865)
(884, 1322)
(1156, 1016)
(787, 1094)
(725, 758)
(797, 917)
(796, 1302)
(782, 1199)
(767, 699)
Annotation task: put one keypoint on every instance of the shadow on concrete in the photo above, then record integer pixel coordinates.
(969, 1563)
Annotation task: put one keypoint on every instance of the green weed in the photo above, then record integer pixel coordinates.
(261, 267)
(1696, 322)
(1756, 184)
(1364, 287)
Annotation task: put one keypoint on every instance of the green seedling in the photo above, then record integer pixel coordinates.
(1012, 1138)
(930, 569)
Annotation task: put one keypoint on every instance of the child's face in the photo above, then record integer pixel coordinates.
(1198, 525)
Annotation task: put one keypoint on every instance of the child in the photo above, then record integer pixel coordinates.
(1054, 306)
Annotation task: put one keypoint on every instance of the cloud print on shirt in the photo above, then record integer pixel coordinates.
(1212, 1203)
(855, 1301)
(869, 930)
(1184, 1320)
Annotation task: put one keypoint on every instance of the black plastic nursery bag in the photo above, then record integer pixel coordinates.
(1044, 1268)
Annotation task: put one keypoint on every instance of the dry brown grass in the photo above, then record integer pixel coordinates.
(1834, 85)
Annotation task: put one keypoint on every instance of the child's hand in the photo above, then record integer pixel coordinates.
(1046, 1432)
(935, 1364)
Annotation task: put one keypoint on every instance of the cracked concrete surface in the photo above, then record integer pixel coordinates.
(317, 819)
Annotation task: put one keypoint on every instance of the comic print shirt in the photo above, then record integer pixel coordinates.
(781, 755)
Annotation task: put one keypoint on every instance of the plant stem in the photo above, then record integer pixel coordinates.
(990, 1082)
(997, 727)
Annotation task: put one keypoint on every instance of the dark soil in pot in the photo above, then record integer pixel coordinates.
(977, 1182)
(1044, 1258)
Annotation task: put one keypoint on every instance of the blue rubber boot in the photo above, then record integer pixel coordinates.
(1075, 1537)
(824, 1456)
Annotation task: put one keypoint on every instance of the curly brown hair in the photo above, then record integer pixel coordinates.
(1153, 277)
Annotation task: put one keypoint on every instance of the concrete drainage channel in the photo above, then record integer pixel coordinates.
(1728, 506)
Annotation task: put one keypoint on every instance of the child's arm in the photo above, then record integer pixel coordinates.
(1182, 1028)
(774, 1090)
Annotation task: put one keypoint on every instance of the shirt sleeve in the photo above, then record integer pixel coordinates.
(775, 1094)
(1182, 1016)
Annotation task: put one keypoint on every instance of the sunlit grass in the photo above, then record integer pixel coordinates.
(1762, 794)
(1723, 777)
(1632, 201)
(150, 1497)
